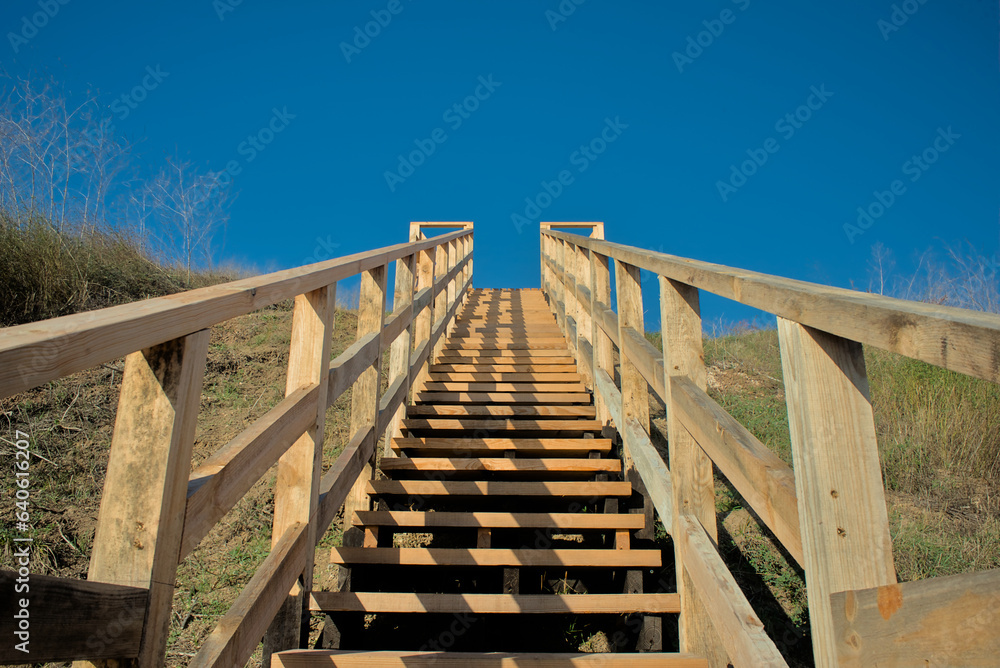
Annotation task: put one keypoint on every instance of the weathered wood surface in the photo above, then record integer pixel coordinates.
(411, 518)
(957, 339)
(34, 353)
(398, 659)
(530, 604)
(949, 621)
(838, 479)
(447, 556)
(69, 619)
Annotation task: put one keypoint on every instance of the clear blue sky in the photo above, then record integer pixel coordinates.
(554, 85)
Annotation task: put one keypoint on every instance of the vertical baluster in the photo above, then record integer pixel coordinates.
(600, 281)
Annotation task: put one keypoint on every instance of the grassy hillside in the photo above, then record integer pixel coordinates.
(940, 453)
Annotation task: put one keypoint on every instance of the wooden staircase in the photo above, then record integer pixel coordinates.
(500, 514)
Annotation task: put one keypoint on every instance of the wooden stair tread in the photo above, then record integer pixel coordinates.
(497, 488)
(504, 424)
(519, 445)
(504, 411)
(432, 386)
(307, 658)
(450, 556)
(505, 397)
(501, 377)
(408, 602)
(499, 464)
(566, 521)
(503, 368)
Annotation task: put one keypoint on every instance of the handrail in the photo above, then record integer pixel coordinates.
(829, 513)
(155, 510)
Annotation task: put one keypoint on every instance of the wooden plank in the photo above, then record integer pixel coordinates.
(235, 637)
(504, 368)
(506, 425)
(738, 627)
(481, 377)
(525, 446)
(764, 481)
(635, 395)
(503, 361)
(68, 619)
(508, 353)
(338, 481)
(393, 401)
(602, 351)
(446, 556)
(426, 659)
(350, 364)
(399, 354)
(505, 397)
(480, 604)
(647, 359)
(567, 412)
(540, 344)
(497, 488)
(226, 476)
(838, 479)
(957, 339)
(690, 468)
(651, 469)
(297, 483)
(949, 621)
(38, 352)
(499, 464)
(424, 319)
(138, 535)
(366, 391)
(568, 521)
(504, 387)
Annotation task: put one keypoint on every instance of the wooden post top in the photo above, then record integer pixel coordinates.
(596, 228)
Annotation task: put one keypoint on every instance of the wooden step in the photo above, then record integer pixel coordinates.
(450, 556)
(446, 358)
(504, 397)
(505, 425)
(433, 386)
(568, 412)
(563, 521)
(486, 604)
(496, 488)
(310, 658)
(478, 346)
(486, 377)
(503, 368)
(507, 353)
(521, 446)
(500, 464)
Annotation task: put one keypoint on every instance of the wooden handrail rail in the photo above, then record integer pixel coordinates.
(954, 338)
(829, 512)
(35, 353)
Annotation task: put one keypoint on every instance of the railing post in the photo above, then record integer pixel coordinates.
(690, 468)
(297, 487)
(838, 479)
(423, 320)
(139, 528)
(584, 322)
(365, 396)
(399, 355)
(635, 390)
(560, 288)
(600, 289)
(441, 295)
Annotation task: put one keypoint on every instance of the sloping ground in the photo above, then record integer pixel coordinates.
(71, 420)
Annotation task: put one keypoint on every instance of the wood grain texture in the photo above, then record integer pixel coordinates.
(495, 520)
(765, 482)
(447, 556)
(529, 604)
(71, 619)
(948, 621)
(838, 479)
(34, 353)
(139, 527)
(497, 488)
(957, 339)
(739, 629)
